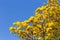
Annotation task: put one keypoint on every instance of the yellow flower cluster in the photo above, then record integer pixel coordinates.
(44, 25)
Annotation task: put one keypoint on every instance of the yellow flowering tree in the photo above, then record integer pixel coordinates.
(44, 25)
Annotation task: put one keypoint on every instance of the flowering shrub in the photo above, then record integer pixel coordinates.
(44, 25)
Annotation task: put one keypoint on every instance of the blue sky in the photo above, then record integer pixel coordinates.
(15, 10)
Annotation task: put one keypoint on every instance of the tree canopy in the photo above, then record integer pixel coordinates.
(44, 25)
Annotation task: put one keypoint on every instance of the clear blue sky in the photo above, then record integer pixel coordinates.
(15, 10)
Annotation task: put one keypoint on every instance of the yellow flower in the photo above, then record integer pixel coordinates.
(12, 28)
(48, 36)
(17, 23)
(51, 24)
(35, 20)
(31, 18)
(24, 24)
(47, 29)
(34, 33)
(44, 16)
(39, 9)
(28, 27)
(38, 15)
(39, 26)
(43, 7)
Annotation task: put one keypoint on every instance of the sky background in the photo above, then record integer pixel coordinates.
(15, 10)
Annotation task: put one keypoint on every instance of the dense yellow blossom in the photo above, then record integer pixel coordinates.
(44, 25)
